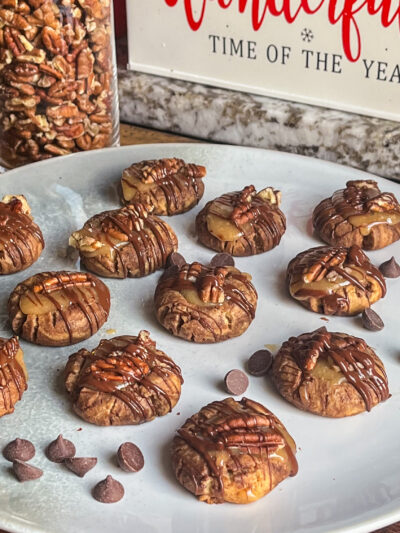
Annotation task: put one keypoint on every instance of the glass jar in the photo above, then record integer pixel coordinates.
(58, 85)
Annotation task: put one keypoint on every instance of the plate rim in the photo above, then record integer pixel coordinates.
(366, 526)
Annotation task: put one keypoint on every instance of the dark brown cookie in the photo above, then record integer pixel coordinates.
(127, 242)
(58, 308)
(125, 380)
(233, 452)
(204, 304)
(330, 374)
(335, 281)
(171, 186)
(242, 223)
(359, 214)
(21, 241)
(13, 375)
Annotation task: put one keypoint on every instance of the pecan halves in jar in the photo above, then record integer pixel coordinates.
(55, 60)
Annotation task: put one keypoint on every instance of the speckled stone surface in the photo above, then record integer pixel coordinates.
(238, 118)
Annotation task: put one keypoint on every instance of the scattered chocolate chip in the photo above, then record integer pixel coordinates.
(129, 457)
(26, 472)
(170, 272)
(80, 465)
(60, 449)
(108, 490)
(390, 269)
(236, 382)
(19, 449)
(259, 363)
(175, 259)
(371, 320)
(221, 260)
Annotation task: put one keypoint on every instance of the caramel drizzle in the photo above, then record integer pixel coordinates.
(73, 291)
(363, 371)
(236, 427)
(173, 176)
(15, 231)
(119, 365)
(349, 202)
(179, 282)
(146, 251)
(10, 372)
(263, 215)
(355, 258)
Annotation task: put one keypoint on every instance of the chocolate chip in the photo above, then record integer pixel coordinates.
(175, 259)
(170, 272)
(60, 449)
(223, 259)
(129, 457)
(19, 449)
(390, 269)
(26, 472)
(80, 465)
(108, 491)
(236, 382)
(259, 363)
(371, 320)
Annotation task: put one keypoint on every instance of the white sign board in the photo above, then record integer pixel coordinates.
(343, 54)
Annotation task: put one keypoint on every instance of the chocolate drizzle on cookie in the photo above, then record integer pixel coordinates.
(357, 362)
(324, 272)
(252, 214)
(150, 237)
(173, 176)
(213, 286)
(358, 207)
(236, 428)
(60, 292)
(11, 373)
(17, 230)
(122, 367)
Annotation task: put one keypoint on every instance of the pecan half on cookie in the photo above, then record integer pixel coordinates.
(242, 223)
(21, 241)
(359, 214)
(330, 374)
(335, 281)
(205, 304)
(127, 242)
(13, 374)
(233, 452)
(125, 380)
(171, 186)
(58, 308)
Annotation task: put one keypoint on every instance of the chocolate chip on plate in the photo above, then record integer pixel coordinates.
(222, 259)
(20, 449)
(25, 471)
(108, 490)
(80, 465)
(390, 268)
(259, 363)
(175, 259)
(129, 457)
(60, 449)
(371, 320)
(236, 382)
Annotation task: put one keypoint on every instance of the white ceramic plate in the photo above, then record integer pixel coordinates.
(349, 469)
